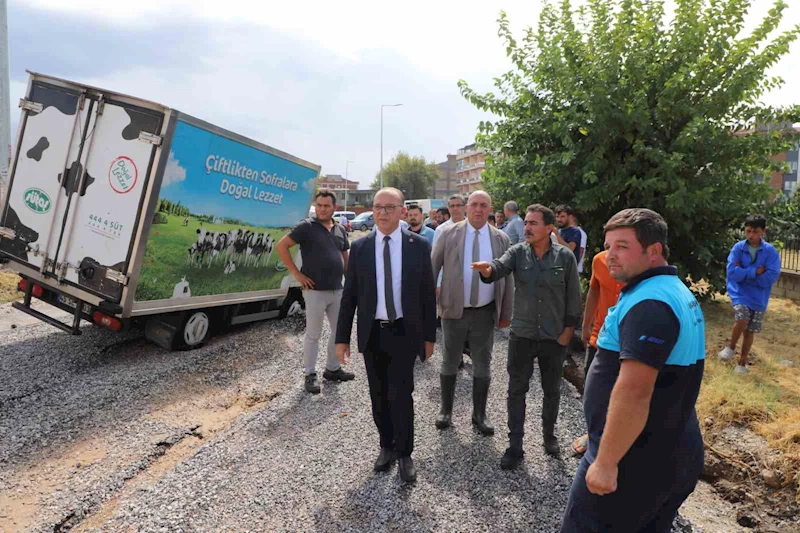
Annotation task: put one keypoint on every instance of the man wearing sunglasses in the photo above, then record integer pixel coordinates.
(389, 282)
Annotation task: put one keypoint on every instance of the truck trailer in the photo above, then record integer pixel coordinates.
(121, 210)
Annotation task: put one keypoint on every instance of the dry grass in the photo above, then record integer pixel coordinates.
(767, 400)
(8, 286)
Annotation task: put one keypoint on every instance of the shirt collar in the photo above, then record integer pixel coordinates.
(668, 270)
(395, 235)
(512, 217)
(482, 231)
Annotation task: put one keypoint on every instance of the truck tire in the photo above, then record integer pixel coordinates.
(293, 304)
(194, 331)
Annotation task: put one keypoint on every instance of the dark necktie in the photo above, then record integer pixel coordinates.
(476, 256)
(387, 280)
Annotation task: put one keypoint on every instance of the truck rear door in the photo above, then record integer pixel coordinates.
(53, 121)
(102, 220)
(78, 185)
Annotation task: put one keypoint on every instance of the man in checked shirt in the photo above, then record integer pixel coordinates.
(547, 308)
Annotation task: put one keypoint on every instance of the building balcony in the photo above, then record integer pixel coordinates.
(463, 168)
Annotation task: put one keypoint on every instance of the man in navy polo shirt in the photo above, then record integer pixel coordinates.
(645, 448)
(568, 235)
(325, 250)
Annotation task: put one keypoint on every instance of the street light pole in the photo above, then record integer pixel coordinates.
(346, 181)
(382, 106)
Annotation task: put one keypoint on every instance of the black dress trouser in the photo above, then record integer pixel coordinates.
(390, 371)
(521, 354)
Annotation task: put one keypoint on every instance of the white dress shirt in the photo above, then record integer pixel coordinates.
(436, 234)
(584, 239)
(485, 290)
(396, 254)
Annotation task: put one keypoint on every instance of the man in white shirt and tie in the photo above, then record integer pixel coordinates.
(470, 310)
(389, 282)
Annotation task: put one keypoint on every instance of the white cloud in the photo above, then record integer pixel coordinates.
(309, 185)
(174, 172)
(309, 77)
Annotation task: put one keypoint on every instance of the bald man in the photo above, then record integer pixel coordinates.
(470, 310)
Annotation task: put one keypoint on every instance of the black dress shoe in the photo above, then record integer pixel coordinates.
(312, 384)
(384, 460)
(338, 375)
(407, 471)
(511, 458)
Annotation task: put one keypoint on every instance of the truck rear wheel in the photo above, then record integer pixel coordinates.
(195, 330)
(293, 303)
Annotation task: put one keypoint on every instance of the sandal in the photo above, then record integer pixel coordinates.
(580, 445)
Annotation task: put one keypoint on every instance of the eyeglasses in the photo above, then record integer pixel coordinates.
(451, 206)
(385, 208)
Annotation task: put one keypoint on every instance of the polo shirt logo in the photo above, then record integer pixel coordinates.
(654, 340)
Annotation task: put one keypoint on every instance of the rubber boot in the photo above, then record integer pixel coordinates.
(445, 417)
(480, 393)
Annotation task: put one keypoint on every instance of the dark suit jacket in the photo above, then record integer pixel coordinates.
(418, 288)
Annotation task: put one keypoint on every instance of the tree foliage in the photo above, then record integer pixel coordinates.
(412, 175)
(614, 105)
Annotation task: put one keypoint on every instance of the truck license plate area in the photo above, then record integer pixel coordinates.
(71, 302)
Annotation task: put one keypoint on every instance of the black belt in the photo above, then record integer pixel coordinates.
(487, 306)
(388, 323)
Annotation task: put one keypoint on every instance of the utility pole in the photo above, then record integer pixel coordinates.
(5, 95)
(346, 181)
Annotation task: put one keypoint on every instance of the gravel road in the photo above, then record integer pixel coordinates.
(106, 432)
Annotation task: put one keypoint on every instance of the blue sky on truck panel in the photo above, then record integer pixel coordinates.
(213, 175)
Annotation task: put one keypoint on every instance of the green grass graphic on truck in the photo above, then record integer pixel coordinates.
(178, 264)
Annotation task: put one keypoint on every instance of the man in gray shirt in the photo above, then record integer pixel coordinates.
(547, 307)
(514, 228)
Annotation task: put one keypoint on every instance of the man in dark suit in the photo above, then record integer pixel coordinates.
(390, 281)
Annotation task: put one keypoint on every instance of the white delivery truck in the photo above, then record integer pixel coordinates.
(120, 209)
(426, 204)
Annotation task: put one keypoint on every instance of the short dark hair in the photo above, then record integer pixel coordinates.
(325, 194)
(650, 227)
(547, 214)
(409, 207)
(564, 208)
(491, 217)
(756, 221)
(459, 197)
(443, 211)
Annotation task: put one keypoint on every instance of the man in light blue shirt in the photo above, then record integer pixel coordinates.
(515, 227)
(415, 215)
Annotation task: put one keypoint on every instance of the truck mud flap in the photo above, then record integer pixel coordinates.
(25, 307)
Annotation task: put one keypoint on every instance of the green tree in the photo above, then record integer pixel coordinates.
(412, 175)
(612, 105)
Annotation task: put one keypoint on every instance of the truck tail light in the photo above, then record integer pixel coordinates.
(37, 291)
(107, 321)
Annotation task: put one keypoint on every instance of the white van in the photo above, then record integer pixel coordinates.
(349, 215)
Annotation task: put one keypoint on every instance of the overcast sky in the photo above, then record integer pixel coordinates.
(304, 77)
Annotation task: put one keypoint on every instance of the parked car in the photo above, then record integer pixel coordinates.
(344, 218)
(363, 222)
